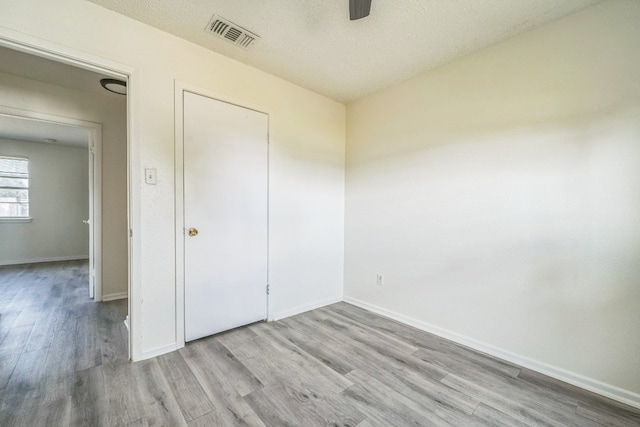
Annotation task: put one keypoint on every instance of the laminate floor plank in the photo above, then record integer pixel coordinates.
(7, 319)
(230, 407)
(88, 398)
(61, 357)
(113, 337)
(29, 370)
(44, 330)
(156, 400)
(462, 365)
(284, 405)
(493, 417)
(313, 346)
(19, 299)
(209, 419)
(518, 405)
(415, 337)
(51, 414)
(272, 367)
(8, 361)
(495, 383)
(191, 398)
(88, 352)
(28, 316)
(16, 339)
(64, 362)
(424, 390)
(142, 422)
(51, 333)
(22, 391)
(524, 391)
(388, 326)
(422, 395)
(371, 357)
(309, 361)
(385, 352)
(422, 340)
(385, 407)
(234, 336)
(226, 365)
(365, 333)
(597, 405)
(50, 403)
(123, 404)
(607, 416)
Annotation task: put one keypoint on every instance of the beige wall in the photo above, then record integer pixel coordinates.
(110, 111)
(58, 202)
(500, 197)
(307, 135)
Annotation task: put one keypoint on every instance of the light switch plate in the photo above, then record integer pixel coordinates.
(150, 176)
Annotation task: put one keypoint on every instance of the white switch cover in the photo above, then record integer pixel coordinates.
(150, 176)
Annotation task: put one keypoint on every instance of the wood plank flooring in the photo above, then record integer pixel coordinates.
(63, 363)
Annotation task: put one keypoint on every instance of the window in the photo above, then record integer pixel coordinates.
(14, 187)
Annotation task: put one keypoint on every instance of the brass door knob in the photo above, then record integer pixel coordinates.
(193, 232)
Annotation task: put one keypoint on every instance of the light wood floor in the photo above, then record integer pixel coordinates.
(63, 362)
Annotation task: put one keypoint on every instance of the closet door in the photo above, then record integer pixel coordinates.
(225, 214)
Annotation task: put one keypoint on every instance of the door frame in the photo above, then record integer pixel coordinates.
(46, 49)
(94, 146)
(179, 89)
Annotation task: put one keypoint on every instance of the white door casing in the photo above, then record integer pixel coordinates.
(47, 49)
(92, 220)
(225, 155)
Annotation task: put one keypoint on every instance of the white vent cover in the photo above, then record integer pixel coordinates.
(231, 32)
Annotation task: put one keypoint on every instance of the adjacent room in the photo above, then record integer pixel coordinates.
(346, 212)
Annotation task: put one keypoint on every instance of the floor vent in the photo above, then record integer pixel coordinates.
(231, 32)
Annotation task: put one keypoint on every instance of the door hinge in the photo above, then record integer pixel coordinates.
(267, 289)
(131, 232)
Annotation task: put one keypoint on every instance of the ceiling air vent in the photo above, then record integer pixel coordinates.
(231, 32)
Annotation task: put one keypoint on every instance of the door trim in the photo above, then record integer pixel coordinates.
(180, 88)
(94, 146)
(46, 49)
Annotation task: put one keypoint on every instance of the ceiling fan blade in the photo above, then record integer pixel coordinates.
(359, 9)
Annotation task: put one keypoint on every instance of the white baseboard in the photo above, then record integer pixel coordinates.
(115, 296)
(159, 351)
(616, 393)
(303, 308)
(48, 259)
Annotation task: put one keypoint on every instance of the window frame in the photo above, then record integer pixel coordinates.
(27, 218)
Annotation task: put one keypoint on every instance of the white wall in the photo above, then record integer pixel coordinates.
(109, 110)
(307, 134)
(58, 202)
(500, 197)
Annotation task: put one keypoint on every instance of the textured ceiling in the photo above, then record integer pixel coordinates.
(314, 44)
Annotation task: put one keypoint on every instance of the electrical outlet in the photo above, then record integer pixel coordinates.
(380, 280)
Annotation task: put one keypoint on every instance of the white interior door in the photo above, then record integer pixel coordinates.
(225, 215)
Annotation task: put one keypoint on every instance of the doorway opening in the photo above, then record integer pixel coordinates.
(68, 71)
(46, 134)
